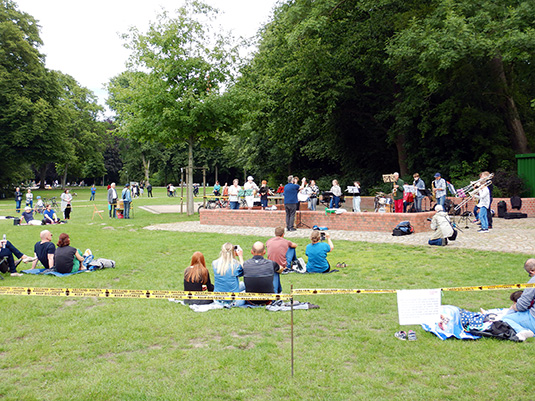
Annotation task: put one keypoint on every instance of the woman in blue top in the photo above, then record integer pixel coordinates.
(227, 270)
(317, 253)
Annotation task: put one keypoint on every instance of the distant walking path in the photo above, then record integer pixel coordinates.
(507, 235)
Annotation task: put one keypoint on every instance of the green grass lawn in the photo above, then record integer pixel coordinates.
(56, 348)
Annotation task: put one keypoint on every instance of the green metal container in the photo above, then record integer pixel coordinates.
(526, 170)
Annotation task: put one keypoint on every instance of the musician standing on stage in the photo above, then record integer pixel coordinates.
(419, 184)
(484, 206)
(439, 188)
(398, 193)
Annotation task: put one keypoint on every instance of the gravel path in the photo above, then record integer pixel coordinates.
(506, 236)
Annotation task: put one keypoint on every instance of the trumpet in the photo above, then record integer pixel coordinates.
(472, 190)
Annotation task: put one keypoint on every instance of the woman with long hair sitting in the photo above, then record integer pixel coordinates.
(197, 278)
(66, 258)
(227, 270)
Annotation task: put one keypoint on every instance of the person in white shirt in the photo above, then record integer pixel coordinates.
(233, 196)
(483, 205)
(250, 189)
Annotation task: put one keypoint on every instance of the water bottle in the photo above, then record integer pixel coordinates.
(4, 241)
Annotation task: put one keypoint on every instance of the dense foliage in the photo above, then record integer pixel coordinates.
(347, 89)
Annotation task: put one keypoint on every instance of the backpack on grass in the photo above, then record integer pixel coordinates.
(403, 228)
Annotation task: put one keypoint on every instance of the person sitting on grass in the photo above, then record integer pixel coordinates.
(227, 270)
(258, 273)
(27, 217)
(523, 320)
(67, 258)
(197, 278)
(442, 226)
(44, 250)
(7, 262)
(50, 216)
(39, 206)
(317, 253)
(281, 251)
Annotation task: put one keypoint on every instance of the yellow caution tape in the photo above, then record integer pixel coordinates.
(150, 294)
(322, 291)
(229, 296)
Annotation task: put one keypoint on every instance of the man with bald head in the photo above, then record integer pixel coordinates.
(44, 250)
(260, 274)
(523, 320)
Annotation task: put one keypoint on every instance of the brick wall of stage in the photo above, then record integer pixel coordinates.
(528, 205)
(366, 221)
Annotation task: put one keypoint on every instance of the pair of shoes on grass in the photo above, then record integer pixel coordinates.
(402, 335)
(341, 264)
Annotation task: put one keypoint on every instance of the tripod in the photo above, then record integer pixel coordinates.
(299, 219)
(465, 215)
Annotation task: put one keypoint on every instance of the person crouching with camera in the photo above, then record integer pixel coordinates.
(442, 226)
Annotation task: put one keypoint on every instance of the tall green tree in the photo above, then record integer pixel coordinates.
(173, 95)
(30, 122)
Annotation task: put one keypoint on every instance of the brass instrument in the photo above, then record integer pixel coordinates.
(433, 193)
(472, 190)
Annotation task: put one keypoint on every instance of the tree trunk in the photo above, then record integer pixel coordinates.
(512, 117)
(402, 155)
(64, 178)
(190, 207)
(146, 167)
(42, 175)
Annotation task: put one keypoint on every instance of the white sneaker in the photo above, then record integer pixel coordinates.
(16, 274)
(524, 335)
(482, 231)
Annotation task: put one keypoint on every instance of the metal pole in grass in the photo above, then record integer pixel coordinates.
(292, 326)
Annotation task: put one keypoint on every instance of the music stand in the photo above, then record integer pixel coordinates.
(299, 219)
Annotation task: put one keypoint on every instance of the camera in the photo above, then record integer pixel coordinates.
(237, 248)
(322, 236)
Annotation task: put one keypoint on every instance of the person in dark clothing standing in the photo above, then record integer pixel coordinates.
(18, 199)
(291, 202)
(149, 190)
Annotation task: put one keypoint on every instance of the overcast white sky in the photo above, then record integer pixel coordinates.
(81, 38)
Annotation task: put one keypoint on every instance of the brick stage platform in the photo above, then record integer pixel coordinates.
(366, 221)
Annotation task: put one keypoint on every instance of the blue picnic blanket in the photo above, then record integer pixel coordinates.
(49, 272)
(449, 325)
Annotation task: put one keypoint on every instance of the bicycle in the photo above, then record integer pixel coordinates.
(52, 201)
(214, 204)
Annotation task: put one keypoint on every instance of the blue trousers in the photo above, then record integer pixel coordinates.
(126, 209)
(335, 202)
(437, 242)
(441, 200)
(520, 321)
(234, 205)
(483, 218)
(8, 252)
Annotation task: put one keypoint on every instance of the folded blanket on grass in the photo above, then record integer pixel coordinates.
(276, 306)
(50, 272)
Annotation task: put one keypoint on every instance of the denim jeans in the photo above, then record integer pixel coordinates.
(234, 205)
(520, 321)
(418, 203)
(126, 209)
(437, 242)
(335, 202)
(264, 202)
(441, 200)
(312, 202)
(17, 205)
(483, 218)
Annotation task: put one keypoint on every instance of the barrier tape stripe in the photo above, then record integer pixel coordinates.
(230, 296)
(320, 291)
(150, 294)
